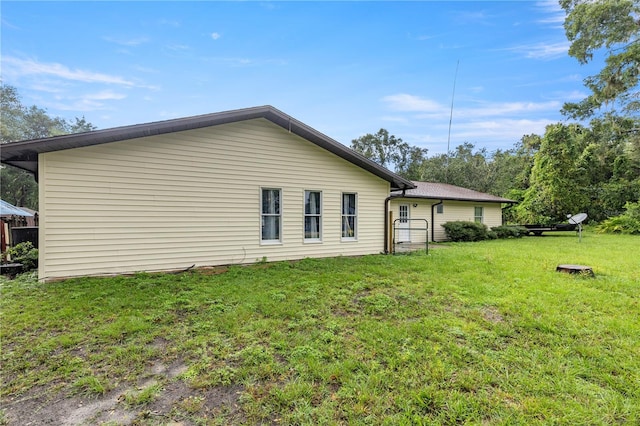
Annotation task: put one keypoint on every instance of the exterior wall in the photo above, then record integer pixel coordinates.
(171, 201)
(453, 211)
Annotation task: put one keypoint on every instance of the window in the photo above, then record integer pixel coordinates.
(312, 215)
(478, 213)
(439, 208)
(349, 216)
(271, 214)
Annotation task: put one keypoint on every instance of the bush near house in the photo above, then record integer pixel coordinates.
(472, 231)
(510, 231)
(23, 253)
(466, 231)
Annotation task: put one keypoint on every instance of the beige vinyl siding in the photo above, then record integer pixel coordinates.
(453, 211)
(175, 200)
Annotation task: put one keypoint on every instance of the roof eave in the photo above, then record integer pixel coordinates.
(23, 154)
(433, 197)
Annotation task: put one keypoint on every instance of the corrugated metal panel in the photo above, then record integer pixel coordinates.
(7, 209)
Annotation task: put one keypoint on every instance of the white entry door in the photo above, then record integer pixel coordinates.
(403, 231)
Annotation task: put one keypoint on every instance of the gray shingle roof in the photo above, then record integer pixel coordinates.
(444, 191)
(24, 154)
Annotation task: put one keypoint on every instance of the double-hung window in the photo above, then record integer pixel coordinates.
(478, 213)
(271, 215)
(349, 216)
(312, 215)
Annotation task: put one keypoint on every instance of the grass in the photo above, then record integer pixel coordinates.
(476, 333)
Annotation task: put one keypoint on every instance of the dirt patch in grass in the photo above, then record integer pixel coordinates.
(175, 401)
(39, 407)
(492, 315)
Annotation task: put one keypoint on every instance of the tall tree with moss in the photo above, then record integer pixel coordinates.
(613, 25)
(19, 122)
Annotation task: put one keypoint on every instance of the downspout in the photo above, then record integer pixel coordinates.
(386, 219)
(433, 232)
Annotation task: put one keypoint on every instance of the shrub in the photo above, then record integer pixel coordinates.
(25, 254)
(510, 231)
(626, 223)
(466, 231)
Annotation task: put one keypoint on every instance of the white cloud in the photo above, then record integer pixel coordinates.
(178, 47)
(24, 67)
(105, 95)
(542, 50)
(497, 129)
(485, 124)
(573, 95)
(170, 23)
(127, 41)
(491, 109)
(556, 13)
(215, 36)
(427, 108)
(411, 103)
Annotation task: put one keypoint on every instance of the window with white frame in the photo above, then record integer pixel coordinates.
(271, 215)
(349, 216)
(478, 213)
(439, 208)
(312, 215)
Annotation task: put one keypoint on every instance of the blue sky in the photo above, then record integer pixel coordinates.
(344, 68)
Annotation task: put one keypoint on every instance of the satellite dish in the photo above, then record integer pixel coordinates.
(577, 219)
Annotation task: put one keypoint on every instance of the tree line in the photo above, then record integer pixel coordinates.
(572, 168)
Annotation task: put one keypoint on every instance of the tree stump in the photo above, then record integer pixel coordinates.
(576, 269)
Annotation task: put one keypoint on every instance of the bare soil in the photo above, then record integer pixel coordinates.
(176, 404)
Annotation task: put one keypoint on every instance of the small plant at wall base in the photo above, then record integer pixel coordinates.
(23, 253)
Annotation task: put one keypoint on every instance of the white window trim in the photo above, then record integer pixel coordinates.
(305, 215)
(481, 217)
(440, 208)
(279, 240)
(342, 215)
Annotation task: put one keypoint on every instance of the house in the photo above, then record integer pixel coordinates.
(437, 203)
(226, 188)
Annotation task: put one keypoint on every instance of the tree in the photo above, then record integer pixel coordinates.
(582, 169)
(392, 153)
(557, 183)
(462, 167)
(615, 25)
(18, 122)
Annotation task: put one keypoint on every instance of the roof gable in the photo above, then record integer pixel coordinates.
(24, 154)
(444, 191)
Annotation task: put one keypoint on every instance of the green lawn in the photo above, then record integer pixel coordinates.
(476, 333)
